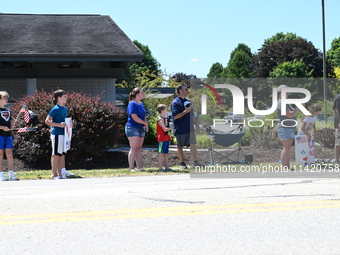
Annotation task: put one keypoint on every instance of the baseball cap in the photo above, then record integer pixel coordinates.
(187, 103)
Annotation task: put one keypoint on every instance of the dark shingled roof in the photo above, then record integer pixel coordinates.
(90, 36)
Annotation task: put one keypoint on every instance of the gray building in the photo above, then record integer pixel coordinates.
(82, 53)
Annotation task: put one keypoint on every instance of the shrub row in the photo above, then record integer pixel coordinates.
(97, 126)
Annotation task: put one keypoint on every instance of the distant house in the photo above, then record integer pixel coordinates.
(123, 93)
(82, 53)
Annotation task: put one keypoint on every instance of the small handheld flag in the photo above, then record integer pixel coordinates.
(24, 129)
(24, 109)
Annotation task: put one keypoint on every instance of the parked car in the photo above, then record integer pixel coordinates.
(238, 118)
(256, 117)
(234, 117)
(229, 116)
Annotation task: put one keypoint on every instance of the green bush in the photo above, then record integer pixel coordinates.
(202, 141)
(97, 126)
(206, 120)
(264, 137)
(246, 139)
(150, 137)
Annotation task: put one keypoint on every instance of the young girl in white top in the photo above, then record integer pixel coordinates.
(307, 126)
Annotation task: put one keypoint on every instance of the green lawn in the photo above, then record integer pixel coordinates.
(81, 173)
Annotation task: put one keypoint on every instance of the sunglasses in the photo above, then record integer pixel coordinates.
(185, 89)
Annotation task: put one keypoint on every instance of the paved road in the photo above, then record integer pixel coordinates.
(170, 215)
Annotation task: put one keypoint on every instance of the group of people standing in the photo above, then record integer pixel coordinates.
(184, 123)
(55, 119)
(185, 126)
(307, 127)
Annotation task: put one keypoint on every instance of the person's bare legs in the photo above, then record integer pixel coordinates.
(166, 161)
(61, 165)
(10, 160)
(1, 160)
(160, 160)
(180, 154)
(55, 165)
(135, 153)
(336, 153)
(193, 151)
(139, 153)
(287, 145)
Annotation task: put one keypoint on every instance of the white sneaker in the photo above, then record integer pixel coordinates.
(57, 177)
(13, 178)
(64, 176)
(4, 178)
(68, 174)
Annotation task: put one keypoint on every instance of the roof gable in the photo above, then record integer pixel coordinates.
(66, 35)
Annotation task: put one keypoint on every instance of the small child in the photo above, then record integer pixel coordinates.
(6, 139)
(308, 123)
(163, 138)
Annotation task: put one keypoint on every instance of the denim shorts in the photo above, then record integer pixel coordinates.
(131, 131)
(285, 133)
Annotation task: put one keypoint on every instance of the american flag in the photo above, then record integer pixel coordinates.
(25, 129)
(21, 130)
(26, 113)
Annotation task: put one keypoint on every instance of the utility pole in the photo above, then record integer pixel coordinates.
(324, 60)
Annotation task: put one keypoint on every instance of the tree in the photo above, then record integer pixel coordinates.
(333, 54)
(240, 63)
(241, 47)
(275, 53)
(337, 72)
(239, 66)
(294, 69)
(215, 71)
(282, 37)
(149, 64)
(184, 78)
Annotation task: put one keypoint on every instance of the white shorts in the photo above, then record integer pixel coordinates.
(57, 145)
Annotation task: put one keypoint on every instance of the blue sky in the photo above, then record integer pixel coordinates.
(189, 36)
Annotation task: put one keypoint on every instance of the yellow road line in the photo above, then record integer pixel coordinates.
(166, 212)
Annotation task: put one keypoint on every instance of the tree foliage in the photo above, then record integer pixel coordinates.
(282, 37)
(337, 72)
(240, 63)
(184, 78)
(333, 54)
(293, 69)
(215, 71)
(148, 65)
(277, 52)
(239, 66)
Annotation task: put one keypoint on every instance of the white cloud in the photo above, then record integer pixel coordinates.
(194, 60)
